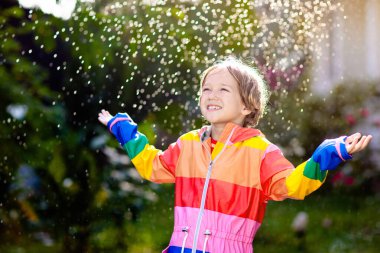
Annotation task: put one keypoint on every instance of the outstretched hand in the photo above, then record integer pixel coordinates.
(357, 142)
(104, 117)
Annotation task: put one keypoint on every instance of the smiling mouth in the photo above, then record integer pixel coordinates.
(213, 107)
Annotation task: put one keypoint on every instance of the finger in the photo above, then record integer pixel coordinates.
(369, 138)
(349, 139)
(353, 141)
(351, 146)
(365, 142)
(359, 145)
(352, 137)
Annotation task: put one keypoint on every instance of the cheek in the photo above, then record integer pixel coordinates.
(237, 100)
(201, 99)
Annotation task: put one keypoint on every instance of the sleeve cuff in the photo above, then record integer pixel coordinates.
(122, 127)
(340, 146)
(117, 118)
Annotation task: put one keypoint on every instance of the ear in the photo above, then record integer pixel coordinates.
(246, 111)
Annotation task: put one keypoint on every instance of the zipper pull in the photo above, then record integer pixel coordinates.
(210, 165)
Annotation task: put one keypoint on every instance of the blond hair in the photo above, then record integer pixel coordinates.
(252, 88)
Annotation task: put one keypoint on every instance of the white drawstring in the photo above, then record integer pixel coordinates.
(185, 230)
(207, 234)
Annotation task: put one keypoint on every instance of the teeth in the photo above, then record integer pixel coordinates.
(214, 107)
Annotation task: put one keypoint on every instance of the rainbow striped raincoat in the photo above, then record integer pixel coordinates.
(220, 197)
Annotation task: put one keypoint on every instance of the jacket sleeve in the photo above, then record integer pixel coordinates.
(281, 180)
(151, 163)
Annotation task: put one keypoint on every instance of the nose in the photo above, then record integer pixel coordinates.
(213, 94)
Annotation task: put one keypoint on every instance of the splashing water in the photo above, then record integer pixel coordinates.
(143, 57)
(277, 36)
(178, 39)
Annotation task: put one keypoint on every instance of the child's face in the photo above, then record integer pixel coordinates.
(220, 99)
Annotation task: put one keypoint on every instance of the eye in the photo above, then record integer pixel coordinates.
(225, 90)
(205, 89)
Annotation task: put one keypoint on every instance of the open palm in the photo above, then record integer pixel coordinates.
(357, 142)
(104, 117)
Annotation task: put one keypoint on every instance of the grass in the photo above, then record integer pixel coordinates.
(25, 245)
(354, 226)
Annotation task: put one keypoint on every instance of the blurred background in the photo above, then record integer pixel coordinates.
(67, 186)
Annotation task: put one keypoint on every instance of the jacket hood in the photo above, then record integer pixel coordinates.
(240, 133)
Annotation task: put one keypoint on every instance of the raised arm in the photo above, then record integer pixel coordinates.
(151, 163)
(281, 180)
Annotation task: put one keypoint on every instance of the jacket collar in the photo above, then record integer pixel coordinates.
(240, 133)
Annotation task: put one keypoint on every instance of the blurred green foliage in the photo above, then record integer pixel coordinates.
(63, 180)
(65, 184)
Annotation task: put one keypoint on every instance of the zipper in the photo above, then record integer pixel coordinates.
(204, 192)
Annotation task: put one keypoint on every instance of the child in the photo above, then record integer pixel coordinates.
(225, 173)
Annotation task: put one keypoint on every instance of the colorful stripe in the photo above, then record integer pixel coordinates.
(143, 161)
(273, 163)
(312, 171)
(191, 136)
(231, 226)
(115, 121)
(236, 165)
(250, 171)
(227, 198)
(122, 127)
(228, 233)
(331, 153)
(299, 185)
(136, 145)
(310, 175)
(151, 163)
(174, 249)
(258, 142)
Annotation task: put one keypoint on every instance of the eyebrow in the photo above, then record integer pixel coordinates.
(223, 84)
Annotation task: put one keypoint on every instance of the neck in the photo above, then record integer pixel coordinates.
(216, 131)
